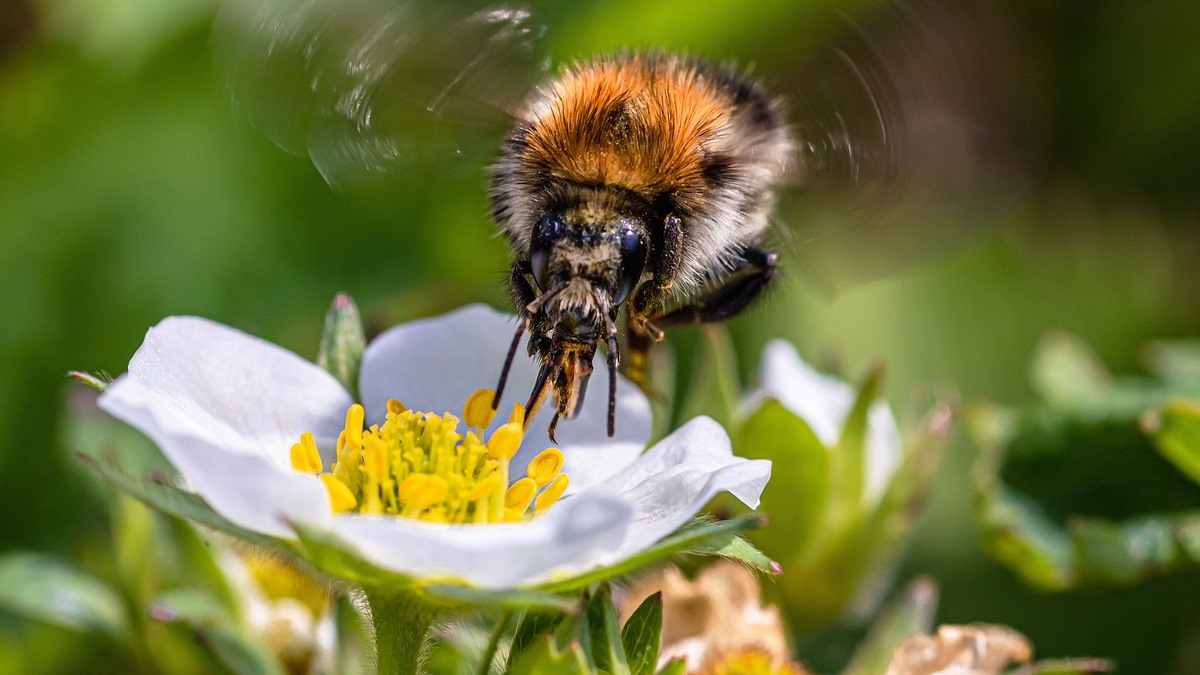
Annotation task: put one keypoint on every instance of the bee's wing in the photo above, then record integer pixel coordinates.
(910, 139)
(368, 88)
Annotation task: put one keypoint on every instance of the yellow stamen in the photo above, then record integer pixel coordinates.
(418, 465)
(354, 426)
(506, 441)
(484, 488)
(478, 411)
(545, 466)
(305, 457)
(552, 493)
(341, 499)
(520, 494)
(420, 491)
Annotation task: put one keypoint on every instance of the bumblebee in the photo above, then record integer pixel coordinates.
(641, 181)
(630, 181)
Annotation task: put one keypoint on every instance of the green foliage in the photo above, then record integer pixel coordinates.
(217, 630)
(642, 635)
(828, 538)
(1052, 484)
(46, 588)
(912, 612)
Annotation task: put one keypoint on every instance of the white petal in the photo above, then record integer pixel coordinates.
(568, 537)
(225, 408)
(679, 475)
(433, 365)
(823, 402)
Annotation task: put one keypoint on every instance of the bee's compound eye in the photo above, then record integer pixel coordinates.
(633, 261)
(547, 230)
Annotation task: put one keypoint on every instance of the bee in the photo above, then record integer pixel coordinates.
(627, 181)
(642, 181)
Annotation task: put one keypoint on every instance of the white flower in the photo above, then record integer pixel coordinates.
(226, 409)
(823, 402)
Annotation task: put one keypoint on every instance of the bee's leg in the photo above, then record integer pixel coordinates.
(523, 295)
(743, 285)
(642, 334)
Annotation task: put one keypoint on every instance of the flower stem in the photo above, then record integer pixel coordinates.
(489, 653)
(401, 621)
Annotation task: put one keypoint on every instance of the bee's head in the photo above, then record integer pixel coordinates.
(587, 256)
(586, 260)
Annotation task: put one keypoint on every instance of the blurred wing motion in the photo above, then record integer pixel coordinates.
(369, 88)
(911, 140)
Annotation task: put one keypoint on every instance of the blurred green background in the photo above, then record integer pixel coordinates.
(131, 190)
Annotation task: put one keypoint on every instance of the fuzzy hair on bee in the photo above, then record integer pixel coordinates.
(631, 180)
(682, 135)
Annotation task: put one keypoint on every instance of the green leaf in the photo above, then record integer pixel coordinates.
(343, 343)
(604, 633)
(911, 613)
(1067, 374)
(1177, 362)
(545, 658)
(1017, 533)
(795, 498)
(217, 631)
(46, 588)
(699, 536)
(176, 502)
(642, 635)
(531, 625)
(1175, 429)
(714, 389)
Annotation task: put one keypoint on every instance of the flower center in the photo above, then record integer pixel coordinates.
(417, 465)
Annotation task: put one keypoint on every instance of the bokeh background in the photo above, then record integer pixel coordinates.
(130, 190)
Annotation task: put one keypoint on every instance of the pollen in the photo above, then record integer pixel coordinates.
(423, 466)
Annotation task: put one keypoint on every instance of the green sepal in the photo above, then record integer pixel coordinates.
(699, 536)
(714, 388)
(910, 613)
(176, 502)
(544, 657)
(642, 635)
(46, 588)
(217, 631)
(99, 382)
(604, 633)
(1175, 429)
(336, 557)
(795, 497)
(847, 462)
(531, 625)
(343, 343)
